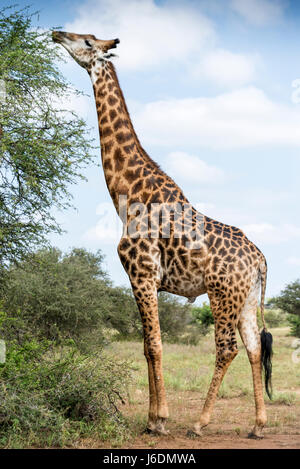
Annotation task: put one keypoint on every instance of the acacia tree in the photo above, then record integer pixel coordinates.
(43, 148)
(289, 302)
(58, 295)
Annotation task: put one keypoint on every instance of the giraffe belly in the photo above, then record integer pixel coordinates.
(186, 285)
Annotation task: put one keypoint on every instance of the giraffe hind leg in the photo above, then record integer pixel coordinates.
(250, 336)
(226, 351)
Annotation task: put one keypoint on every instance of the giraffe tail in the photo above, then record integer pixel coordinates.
(265, 336)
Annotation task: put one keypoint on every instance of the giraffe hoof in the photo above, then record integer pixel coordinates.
(148, 431)
(253, 436)
(156, 431)
(161, 431)
(164, 432)
(193, 434)
(151, 425)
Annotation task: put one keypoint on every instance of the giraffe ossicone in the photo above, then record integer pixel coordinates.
(208, 257)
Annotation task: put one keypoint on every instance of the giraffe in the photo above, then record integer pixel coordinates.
(185, 253)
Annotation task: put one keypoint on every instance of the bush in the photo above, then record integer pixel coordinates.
(174, 317)
(289, 302)
(52, 396)
(202, 317)
(275, 318)
(124, 316)
(295, 325)
(58, 296)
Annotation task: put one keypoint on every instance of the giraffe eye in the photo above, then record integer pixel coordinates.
(88, 43)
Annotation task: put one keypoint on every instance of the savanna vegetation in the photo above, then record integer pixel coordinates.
(288, 302)
(43, 147)
(74, 349)
(74, 358)
(59, 313)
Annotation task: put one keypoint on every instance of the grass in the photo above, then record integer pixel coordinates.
(188, 371)
(53, 400)
(190, 368)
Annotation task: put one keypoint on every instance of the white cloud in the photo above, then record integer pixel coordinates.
(259, 12)
(271, 234)
(228, 69)
(266, 198)
(190, 168)
(241, 118)
(73, 102)
(294, 261)
(185, 167)
(81, 104)
(203, 207)
(108, 229)
(155, 35)
(150, 34)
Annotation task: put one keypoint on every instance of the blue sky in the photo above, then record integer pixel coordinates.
(212, 90)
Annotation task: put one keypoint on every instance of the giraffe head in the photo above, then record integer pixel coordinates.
(86, 49)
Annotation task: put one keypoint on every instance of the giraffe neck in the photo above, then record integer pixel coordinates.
(121, 152)
(129, 171)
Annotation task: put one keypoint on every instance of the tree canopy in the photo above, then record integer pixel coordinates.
(289, 298)
(43, 147)
(58, 295)
(289, 302)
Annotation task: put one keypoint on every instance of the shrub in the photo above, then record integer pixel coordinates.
(124, 315)
(59, 296)
(174, 317)
(202, 317)
(275, 318)
(53, 396)
(295, 325)
(289, 302)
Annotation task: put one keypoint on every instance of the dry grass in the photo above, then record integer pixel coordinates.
(188, 371)
(190, 368)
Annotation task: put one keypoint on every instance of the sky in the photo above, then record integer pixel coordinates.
(213, 90)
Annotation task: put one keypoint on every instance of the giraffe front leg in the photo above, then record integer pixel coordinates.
(146, 298)
(152, 417)
(158, 404)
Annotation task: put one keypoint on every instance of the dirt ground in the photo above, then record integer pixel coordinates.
(180, 441)
(231, 422)
(187, 372)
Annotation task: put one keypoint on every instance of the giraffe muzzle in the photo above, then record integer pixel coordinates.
(116, 41)
(58, 36)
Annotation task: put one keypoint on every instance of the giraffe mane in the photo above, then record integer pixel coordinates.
(147, 158)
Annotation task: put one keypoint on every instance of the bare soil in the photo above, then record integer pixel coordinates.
(231, 422)
(180, 441)
(186, 369)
